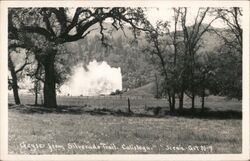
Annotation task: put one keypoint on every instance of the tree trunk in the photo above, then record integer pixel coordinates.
(129, 110)
(157, 86)
(50, 81)
(14, 82)
(181, 98)
(171, 102)
(203, 100)
(15, 91)
(36, 99)
(36, 92)
(193, 101)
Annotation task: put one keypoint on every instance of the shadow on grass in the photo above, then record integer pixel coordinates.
(208, 114)
(157, 112)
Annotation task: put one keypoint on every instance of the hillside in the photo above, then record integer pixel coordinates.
(146, 90)
(136, 70)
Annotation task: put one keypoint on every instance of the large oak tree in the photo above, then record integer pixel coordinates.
(62, 25)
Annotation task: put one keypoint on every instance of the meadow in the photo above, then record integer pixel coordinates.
(83, 127)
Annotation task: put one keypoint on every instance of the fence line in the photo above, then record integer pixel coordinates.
(135, 97)
(110, 102)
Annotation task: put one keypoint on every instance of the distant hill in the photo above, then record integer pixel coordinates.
(210, 41)
(109, 30)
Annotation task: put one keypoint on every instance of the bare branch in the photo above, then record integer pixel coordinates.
(24, 65)
(88, 33)
(46, 17)
(39, 30)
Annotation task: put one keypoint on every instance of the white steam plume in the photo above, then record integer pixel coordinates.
(99, 79)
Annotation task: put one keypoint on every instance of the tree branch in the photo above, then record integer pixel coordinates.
(24, 65)
(39, 30)
(46, 17)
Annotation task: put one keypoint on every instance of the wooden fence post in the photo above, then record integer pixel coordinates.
(129, 110)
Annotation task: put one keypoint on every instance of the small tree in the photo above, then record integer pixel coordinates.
(206, 81)
(16, 73)
(36, 90)
(162, 56)
(192, 42)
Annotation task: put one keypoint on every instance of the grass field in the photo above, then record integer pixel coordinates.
(94, 130)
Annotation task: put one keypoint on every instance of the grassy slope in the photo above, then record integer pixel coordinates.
(146, 90)
(223, 135)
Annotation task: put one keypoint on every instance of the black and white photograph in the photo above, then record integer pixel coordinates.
(107, 80)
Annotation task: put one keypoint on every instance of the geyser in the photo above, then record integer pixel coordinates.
(99, 79)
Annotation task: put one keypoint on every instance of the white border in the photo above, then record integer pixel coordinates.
(4, 69)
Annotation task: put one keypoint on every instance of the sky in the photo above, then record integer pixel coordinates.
(166, 14)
